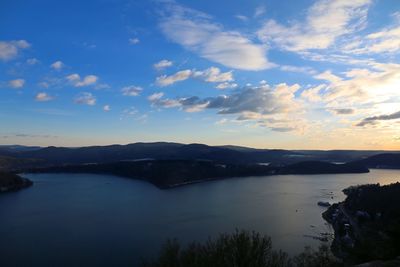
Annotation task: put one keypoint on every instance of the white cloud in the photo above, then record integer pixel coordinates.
(10, 49)
(313, 94)
(156, 100)
(212, 74)
(58, 65)
(242, 18)
(260, 10)
(76, 80)
(263, 82)
(326, 21)
(356, 93)
(43, 97)
(165, 80)
(384, 41)
(276, 108)
(17, 83)
(134, 41)
(131, 90)
(156, 96)
(32, 61)
(88, 80)
(305, 70)
(328, 76)
(196, 32)
(85, 99)
(106, 108)
(163, 64)
(226, 85)
(262, 100)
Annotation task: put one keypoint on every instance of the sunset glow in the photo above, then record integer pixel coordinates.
(268, 74)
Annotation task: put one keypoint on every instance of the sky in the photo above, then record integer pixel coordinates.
(322, 74)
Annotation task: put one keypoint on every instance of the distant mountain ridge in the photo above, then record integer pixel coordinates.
(169, 164)
(384, 161)
(19, 156)
(159, 150)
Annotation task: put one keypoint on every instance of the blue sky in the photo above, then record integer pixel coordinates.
(271, 74)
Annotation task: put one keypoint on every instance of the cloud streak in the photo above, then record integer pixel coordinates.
(374, 119)
(131, 90)
(212, 75)
(326, 21)
(162, 64)
(196, 32)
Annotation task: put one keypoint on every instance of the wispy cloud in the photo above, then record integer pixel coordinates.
(198, 33)
(375, 84)
(242, 18)
(24, 135)
(163, 64)
(302, 69)
(133, 113)
(32, 61)
(165, 80)
(382, 42)
(260, 104)
(259, 11)
(10, 49)
(374, 119)
(131, 90)
(326, 21)
(226, 85)
(85, 99)
(157, 100)
(212, 74)
(134, 41)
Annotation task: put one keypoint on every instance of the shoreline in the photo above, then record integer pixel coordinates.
(10, 182)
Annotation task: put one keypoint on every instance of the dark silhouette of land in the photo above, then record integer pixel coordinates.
(382, 161)
(12, 182)
(177, 151)
(171, 173)
(367, 223)
(172, 164)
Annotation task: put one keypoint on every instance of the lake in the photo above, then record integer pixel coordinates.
(100, 220)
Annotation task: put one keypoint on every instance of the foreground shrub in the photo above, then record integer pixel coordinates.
(240, 249)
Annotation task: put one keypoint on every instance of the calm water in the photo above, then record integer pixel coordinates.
(99, 220)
